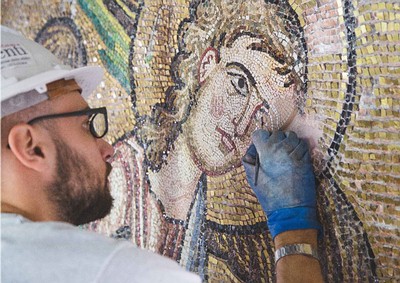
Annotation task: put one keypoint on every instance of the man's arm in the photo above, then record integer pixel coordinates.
(298, 268)
(279, 169)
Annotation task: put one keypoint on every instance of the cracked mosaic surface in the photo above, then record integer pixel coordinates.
(187, 82)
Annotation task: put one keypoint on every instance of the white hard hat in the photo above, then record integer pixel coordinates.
(26, 68)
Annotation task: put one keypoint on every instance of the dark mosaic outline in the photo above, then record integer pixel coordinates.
(344, 121)
(64, 22)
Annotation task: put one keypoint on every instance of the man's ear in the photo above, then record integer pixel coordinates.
(208, 62)
(26, 144)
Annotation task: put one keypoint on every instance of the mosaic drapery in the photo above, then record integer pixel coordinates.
(186, 84)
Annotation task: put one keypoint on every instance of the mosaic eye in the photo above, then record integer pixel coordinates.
(240, 83)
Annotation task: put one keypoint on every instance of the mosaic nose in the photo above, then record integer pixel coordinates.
(251, 121)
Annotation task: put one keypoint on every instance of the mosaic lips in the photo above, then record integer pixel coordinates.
(227, 143)
(243, 126)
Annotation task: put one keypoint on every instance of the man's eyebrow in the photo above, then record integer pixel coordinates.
(83, 110)
(244, 69)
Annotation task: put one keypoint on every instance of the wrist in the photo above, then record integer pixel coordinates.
(301, 265)
(306, 236)
(295, 250)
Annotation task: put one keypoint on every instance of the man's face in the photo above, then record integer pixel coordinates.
(246, 89)
(80, 189)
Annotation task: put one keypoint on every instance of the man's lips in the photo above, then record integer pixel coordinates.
(226, 140)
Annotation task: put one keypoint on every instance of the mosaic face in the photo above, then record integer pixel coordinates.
(246, 88)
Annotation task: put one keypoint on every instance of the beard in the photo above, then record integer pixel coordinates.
(78, 192)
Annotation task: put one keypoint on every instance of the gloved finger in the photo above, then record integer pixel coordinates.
(250, 170)
(291, 141)
(300, 150)
(250, 156)
(260, 138)
(277, 137)
(307, 157)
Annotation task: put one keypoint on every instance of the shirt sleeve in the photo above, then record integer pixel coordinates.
(131, 264)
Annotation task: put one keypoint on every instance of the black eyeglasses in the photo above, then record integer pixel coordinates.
(98, 121)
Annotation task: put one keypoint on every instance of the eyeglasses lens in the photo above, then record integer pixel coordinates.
(99, 125)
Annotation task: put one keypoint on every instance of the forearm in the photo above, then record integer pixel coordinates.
(279, 169)
(298, 268)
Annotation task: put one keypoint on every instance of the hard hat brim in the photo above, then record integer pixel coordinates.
(88, 78)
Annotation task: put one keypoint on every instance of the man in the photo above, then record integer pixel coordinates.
(54, 175)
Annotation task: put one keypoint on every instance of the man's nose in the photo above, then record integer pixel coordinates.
(106, 150)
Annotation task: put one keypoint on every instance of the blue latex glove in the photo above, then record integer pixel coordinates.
(285, 184)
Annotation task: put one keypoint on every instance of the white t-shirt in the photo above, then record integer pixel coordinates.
(40, 252)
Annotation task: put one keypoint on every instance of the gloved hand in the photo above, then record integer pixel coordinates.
(285, 184)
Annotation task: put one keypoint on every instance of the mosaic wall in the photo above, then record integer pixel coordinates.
(186, 84)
